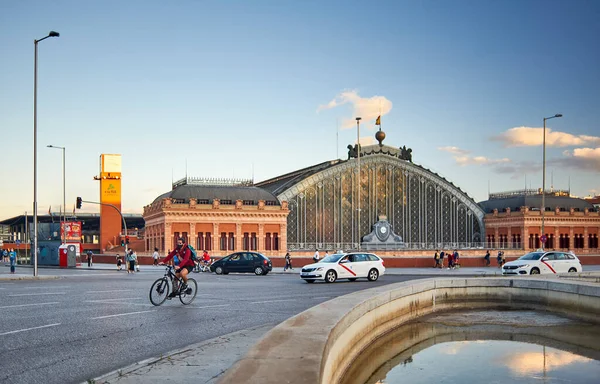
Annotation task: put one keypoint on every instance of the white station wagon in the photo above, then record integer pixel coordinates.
(349, 266)
(541, 262)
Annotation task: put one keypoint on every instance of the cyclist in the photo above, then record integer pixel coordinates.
(186, 264)
(206, 258)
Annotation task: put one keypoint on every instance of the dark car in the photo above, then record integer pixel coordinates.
(242, 262)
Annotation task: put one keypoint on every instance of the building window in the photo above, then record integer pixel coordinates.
(275, 242)
(175, 237)
(223, 241)
(208, 242)
(593, 241)
(200, 241)
(226, 202)
(253, 241)
(203, 201)
(271, 202)
(550, 242)
(248, 202)
(246, 241)
(564, 242)
(185, 237)
(268, 241)
(231, 241)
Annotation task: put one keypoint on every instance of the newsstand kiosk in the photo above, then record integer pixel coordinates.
(67, 256)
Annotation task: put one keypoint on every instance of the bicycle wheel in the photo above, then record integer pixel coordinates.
(196, 268)
(159, 291)
(189, 294)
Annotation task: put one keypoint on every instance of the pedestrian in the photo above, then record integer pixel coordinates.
(130, 261)
(442, 254)
(288, 262)
(119, 262)
(499, 258)
(487, 258)
(13, 260)
(4, 255)
(450, 260)
(503, 261)
(316, 256)
(155, 256)
(436, 259)
(326, 254)
(456, 259)
(89, 257)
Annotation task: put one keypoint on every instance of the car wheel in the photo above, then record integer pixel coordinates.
(219, 270)
(573, 270)
(373, 275)
(331, 276)
(534, 271)
(258, 271)
(309, 281)
(352, 279)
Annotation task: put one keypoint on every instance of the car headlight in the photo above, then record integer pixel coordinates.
(524, 266)
(319, 269)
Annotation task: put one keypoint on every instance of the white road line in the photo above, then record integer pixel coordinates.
(28, 305)
(46, 287)
(209, 306)
(270, 301)
(38, 294)
(120, 314)
(114, 290)
(29, 329)
(117, 299)
(116, 302)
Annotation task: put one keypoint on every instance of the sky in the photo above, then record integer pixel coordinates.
(256, 89)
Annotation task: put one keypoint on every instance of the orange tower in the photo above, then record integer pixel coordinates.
(110, 193)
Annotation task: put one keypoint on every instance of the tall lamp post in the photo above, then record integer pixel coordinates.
(64, 192)
(544, 174)
(35, 221)
(358, 178)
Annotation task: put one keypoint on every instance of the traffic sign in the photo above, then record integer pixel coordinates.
(543, 238)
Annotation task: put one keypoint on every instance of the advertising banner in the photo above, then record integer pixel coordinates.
(72, 230)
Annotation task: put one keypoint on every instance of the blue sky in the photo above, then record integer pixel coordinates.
(243, 88)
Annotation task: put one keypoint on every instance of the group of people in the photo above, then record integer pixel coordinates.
(453, 259)
(499, 258)
(10, 256)
(131, 259)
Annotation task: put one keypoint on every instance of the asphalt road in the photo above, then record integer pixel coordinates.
(89, 323)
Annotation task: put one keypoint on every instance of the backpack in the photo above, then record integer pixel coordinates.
(193, 252)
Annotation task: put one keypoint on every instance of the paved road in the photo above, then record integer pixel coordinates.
(88, 323)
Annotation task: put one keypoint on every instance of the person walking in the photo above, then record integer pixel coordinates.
(119, 262)
(130, 261)
(316, 256)
(288, 262)
(12, 256)
(456, 259)
(5, 255)
(499, 258)
(442, 254)
(436, 259)
(155, 256)
(487, 258)
(89, 257)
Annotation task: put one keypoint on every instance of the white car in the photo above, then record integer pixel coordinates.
(349, 266)
(546, 262)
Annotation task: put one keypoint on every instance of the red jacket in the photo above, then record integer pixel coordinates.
(184, 254)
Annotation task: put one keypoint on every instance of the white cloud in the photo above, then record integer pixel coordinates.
(586, 159)
(462, 157)
(527, 137)
(366, 108)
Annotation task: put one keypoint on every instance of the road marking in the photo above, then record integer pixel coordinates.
(270, 301)
(118, 299)
(45, 287)
(209, 306)
(114, 290)
(29, 329)
(37, 294)
(28, 305)
(120, 314)
(116, 302)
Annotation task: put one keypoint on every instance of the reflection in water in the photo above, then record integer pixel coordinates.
(494, 362)
(482, 346)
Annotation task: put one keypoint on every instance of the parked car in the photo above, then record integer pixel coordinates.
(540, 262)
(242, 262)
(349, 266)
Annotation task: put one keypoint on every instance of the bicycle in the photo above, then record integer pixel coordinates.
(163, 286)
(201, 266)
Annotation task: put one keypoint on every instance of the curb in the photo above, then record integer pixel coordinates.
(9, 278)
(117, 374)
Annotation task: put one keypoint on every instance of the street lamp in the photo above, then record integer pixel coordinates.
(35, 221)
(358, 178)
(544, 174)
(64, 193)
